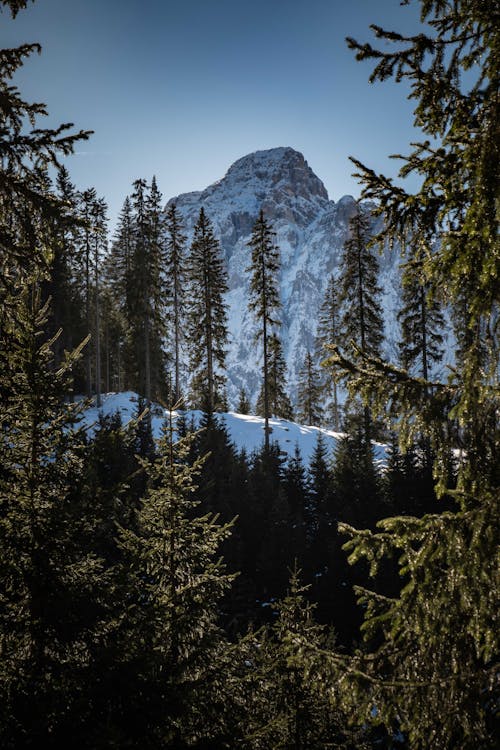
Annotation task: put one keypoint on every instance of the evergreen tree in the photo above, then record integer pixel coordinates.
(361, 323)
(329, 333)
(179, 582)
(294, 713)
(264, 303)
(119, 288)
(87, 201)
(431, 650)
(318, 517)
(421, 324)
(175, 274)
(207, 316)
(279, 404)
(66, 301)
(309, 393)
(243, 403)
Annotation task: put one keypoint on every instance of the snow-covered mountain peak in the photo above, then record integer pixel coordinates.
(311, 231)
(275, 170)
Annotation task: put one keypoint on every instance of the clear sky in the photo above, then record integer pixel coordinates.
(182, 88)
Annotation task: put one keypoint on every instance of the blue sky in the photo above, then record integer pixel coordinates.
(182, 89)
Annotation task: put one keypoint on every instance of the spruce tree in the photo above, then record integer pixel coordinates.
(175, 272)
(309, 394)
(179, 582)
(243, 406)
(361, 323)
(264, 303)
(206, 316)
(421, 322)
(119, 288)
(328, 333)
(430, 658)
(279, 404)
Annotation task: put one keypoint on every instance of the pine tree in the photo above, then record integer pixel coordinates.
(421, 325)
(430, 658)
(328, 333)
(175, 272)
(309, 394)
(207, 316)
(264, 303)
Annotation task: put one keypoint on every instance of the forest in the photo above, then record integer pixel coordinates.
(181, 592)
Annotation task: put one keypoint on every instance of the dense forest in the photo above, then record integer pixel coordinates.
(181, 593)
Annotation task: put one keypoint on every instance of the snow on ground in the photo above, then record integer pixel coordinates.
(246, 431)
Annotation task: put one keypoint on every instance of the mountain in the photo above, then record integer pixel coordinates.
(310, 230)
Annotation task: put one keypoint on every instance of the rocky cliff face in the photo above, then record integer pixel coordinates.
(310, 231)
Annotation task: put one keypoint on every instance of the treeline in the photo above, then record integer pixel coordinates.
(121, 625)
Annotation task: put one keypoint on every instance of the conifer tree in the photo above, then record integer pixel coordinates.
(361, 323)
(296, 714)
(63, 288)
(434, 669)
(207, 316)
(318, 517)
(87, 201)
(243, 402)
(279, 404)
(146, 319)
(421, 322)
(264, 303)
(179, 582)
(328, 333)
(175, 272)
(309, 394)
(120, 290)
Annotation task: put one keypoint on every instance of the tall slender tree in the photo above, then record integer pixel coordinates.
(175, 272)
(207, 316)
(278, 400)
(361, 323)
(309, 395)
(328, 333)
(264, 299)
(421, 322)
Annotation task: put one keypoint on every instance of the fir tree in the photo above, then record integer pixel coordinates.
(361, 321)
(207, 316)
(309, 393)
(328, 333)
(264, 303)
(279, 404)
(119, 286)
(243, 402)
(175, 272)
(421, 322)
(361, 324)
(179, 582)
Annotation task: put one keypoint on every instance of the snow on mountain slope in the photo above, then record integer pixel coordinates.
(245, 431)
(310, 230)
